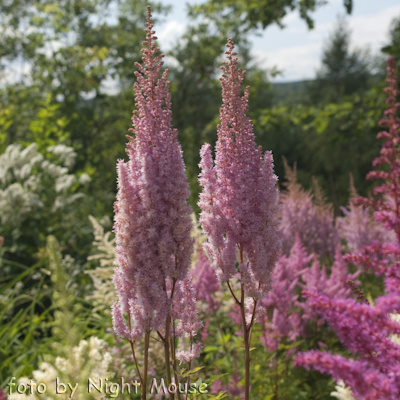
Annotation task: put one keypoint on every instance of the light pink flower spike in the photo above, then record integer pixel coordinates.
(152, 218)
(239, 199)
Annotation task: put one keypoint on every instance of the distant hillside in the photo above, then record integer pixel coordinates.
(290, 92)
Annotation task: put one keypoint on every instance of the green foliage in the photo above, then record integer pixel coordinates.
(249, 14)
(327, 141)
(74, 49)
(24, 335)
(46, 129)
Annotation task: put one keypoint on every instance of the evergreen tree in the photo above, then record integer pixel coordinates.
(343, 71)
(393, 48)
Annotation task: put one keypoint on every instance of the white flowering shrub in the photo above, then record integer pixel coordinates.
(38, 195)
(342, 392)
(104, 292)
(87, 360)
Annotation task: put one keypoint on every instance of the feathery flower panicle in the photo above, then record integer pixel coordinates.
(300, 215)
(239, 203)
(239, 198)
(287, 315)
(280, 302)
(370, 332)
(387, 209)
(205, 282)
(358, 227)
(152, 218)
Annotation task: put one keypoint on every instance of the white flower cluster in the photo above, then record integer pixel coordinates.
(342, 392)
(88, 360)
(395, 338)
(26, 174)
(104, 291)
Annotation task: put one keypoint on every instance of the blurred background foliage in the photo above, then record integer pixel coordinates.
(66, 76)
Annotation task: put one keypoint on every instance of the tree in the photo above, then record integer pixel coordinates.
(250, 15)
(393, 48)
(343, 71)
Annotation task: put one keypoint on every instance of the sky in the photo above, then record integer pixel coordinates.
(295, 50)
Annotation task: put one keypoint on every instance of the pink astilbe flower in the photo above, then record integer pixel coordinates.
(366, 383)
(152, 218)
(300, 215)
(288, 315)
(205, 282)
(333, 287)
(358, 227)
(232, 387)
(365, 330)
(239, 202)
(153, 225)
(239, 198)
(387, 209)
(184, 310)
(184, 319)
(280, 302)
(186, 357)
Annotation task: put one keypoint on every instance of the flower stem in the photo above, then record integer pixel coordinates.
(246, 346)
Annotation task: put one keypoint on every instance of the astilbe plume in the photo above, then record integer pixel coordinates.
(239, 197)
(152, 219)
(287, 314)
(300, 215)
(184, 319)
(387, 207)
(358, 227)
(333, 287)
(239, 200)
(232, 387)
(205, 282)
(370, 331)
(285, 320)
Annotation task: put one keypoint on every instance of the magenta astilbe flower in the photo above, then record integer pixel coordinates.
(367, 332)
(366, 383)
(370, 332)
(387, 210)
(287, 313)
(280, 303)
(232, 387)
(152, 218)
(333, 287)
(363, 329)
(239, 201)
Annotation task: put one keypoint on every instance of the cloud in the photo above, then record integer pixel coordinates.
(297, 62)
(172, 31)
(372, 30)
(297, 51)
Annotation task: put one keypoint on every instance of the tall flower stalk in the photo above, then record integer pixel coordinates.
(152, 222)
(239, 204)
(370, 332)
